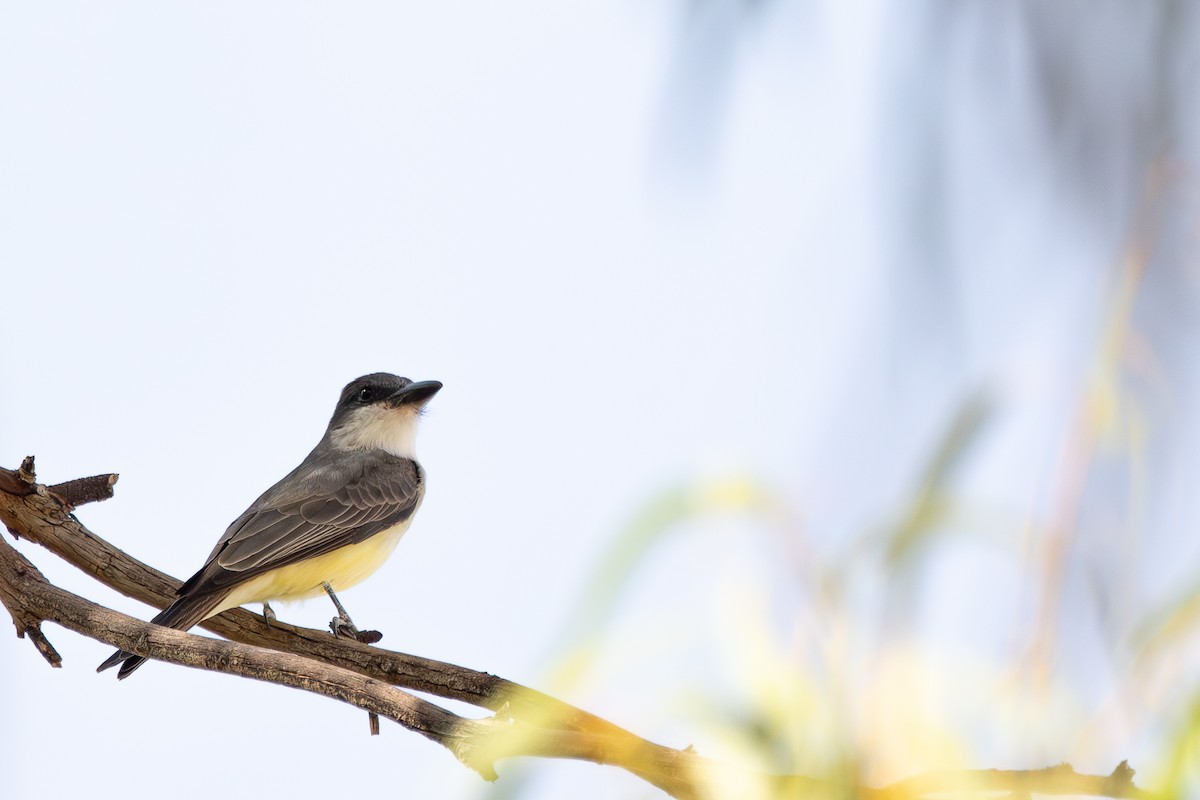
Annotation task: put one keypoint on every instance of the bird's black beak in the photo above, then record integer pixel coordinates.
(415, 394)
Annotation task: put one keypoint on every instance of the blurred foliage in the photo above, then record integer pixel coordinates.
(1171, 627)
(1180, 773)
(932, 499)
(1086, 113)
(852, 702)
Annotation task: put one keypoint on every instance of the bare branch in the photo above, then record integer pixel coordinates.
(26, 592)
(42, 519)
(527, 723)
(478, 743)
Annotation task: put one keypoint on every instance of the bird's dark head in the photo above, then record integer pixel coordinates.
(380, 411)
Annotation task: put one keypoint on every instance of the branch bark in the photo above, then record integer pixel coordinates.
(526, 722)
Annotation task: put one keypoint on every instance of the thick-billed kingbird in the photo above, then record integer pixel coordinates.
(329, 524)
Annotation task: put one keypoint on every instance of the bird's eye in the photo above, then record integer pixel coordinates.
(366, 394)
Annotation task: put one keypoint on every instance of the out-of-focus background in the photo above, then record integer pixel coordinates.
(821, 378)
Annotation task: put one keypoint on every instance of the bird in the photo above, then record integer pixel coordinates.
(325, 526)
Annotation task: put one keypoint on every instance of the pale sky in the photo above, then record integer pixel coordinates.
(213, 216)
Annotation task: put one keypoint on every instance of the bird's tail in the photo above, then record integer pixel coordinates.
(180, 615)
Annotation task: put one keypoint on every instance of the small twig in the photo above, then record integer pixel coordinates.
(29, 625)
(84, 490)
(19, 482)
(43, 645)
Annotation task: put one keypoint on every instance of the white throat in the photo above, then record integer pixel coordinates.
(393, 430)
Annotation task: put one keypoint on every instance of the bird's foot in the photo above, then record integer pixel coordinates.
(343, 627)
(268, 614)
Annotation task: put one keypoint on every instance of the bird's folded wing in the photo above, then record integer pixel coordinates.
(306, 515)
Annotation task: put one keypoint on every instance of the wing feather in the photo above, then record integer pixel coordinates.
(322, 506)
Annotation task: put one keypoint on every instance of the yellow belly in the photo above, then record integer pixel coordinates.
(341, 569)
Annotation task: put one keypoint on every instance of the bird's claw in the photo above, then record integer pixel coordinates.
(343, 628)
